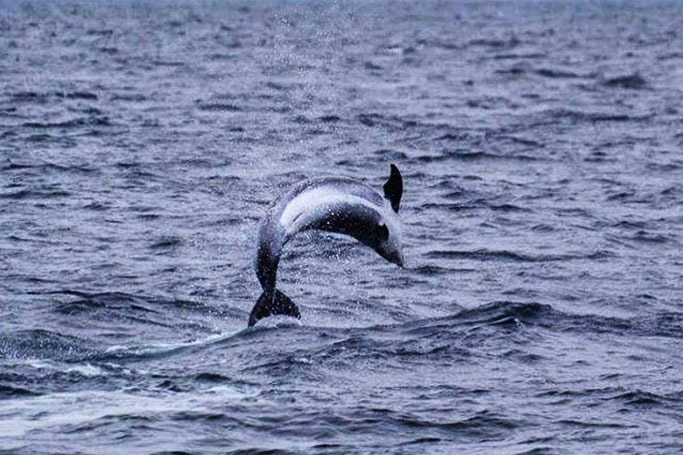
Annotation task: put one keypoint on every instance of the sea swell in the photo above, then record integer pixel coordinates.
(539, 309)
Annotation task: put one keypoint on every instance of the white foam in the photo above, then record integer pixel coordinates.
(23, 416)
(166, 348)
(278, 321)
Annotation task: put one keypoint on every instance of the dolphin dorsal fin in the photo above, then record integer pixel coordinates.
(393, 189)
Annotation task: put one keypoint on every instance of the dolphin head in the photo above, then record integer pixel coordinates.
(387, 242)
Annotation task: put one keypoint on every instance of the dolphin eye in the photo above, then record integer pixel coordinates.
(383, 232)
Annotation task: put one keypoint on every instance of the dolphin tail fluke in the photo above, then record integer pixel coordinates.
(271, 305)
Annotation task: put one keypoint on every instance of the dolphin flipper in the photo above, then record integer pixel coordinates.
(273, 305)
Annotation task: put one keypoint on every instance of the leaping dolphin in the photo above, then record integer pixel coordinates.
(333, 204)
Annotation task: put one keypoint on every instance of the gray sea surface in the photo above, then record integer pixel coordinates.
(541, 145)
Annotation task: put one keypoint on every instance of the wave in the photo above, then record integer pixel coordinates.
(35, 194)
(469, 155)
(162, 350)
(505, 255)
(632, 81)
(44, 167)
(44, 97)
(550, 73)
(219, 107)
(8, 391)
(73, 123)
(505, 330)
(593, 117)
(661, 324)
(449, 336)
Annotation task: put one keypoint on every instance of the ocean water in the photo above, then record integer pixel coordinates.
(541, 145)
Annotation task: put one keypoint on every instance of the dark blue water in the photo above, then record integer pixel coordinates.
(541, 145)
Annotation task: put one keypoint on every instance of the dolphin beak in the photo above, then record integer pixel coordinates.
(397, 259)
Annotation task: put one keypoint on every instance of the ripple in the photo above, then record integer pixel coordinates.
(73, 123)
(219, 107)
(505, 255)
(593, 117)
(633, 82)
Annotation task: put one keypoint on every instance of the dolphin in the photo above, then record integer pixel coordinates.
(334, 204)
